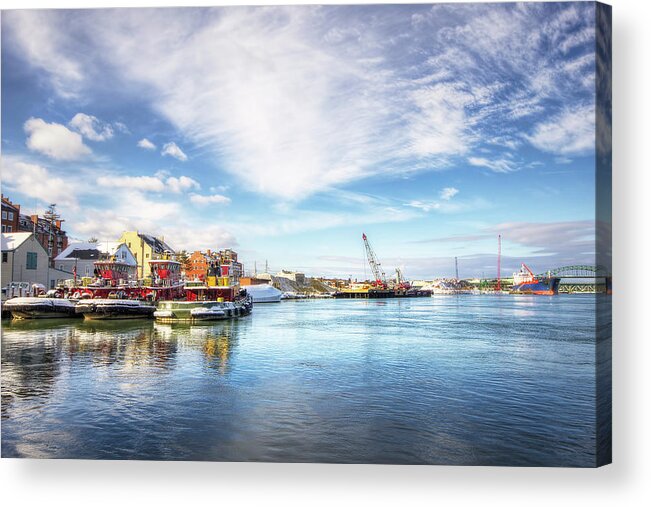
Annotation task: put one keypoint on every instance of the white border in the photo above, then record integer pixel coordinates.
(626, 482)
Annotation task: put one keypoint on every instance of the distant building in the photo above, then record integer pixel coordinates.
(10, 215)
(25, 260)
(144, 248)
(294, 276)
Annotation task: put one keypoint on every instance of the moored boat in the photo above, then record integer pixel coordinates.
(114, 309)
(525, 282)
(192, 312)
(40, 308)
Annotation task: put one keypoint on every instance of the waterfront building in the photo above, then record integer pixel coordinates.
(252, 280)
(10, 215)
(24, 259)
(144, 248)
(294, 276)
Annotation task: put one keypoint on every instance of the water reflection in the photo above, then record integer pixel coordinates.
(35, 353)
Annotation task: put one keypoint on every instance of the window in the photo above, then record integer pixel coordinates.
(31, 260)
(4, 256)
(10, 215)
(4, 215)
(4, 228)
(10, 228)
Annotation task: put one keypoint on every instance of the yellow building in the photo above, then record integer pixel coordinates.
(144, 248)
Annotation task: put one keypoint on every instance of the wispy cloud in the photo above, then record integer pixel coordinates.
(571, 132)
(501, 165)
(204, 200)
(448, 193)
(173, 150)
(146, 144)
(90, 127)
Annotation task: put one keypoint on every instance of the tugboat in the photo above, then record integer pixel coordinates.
(114, 295)
(195, 312)
(525, 282)
(217, 297)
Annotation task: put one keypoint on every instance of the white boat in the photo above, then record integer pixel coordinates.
(40, 308)
(264, 293)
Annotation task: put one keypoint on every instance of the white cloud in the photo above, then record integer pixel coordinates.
(209, 199)
(36, 182)
(173, 150)
(448, 193)
(181, 184)
(572, 132)
(146, 144)
(158, 183)
(144, 183)
(90, 127)
(54, 140)
(501, 165)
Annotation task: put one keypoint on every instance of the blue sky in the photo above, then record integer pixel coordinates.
(286, 132)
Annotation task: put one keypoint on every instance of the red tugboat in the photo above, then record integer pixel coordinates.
(115, 279)
(525, 282)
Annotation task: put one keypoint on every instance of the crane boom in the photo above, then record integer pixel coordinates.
(380, 277)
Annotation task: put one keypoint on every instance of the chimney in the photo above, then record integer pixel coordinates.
(34, 219)
(58, 224)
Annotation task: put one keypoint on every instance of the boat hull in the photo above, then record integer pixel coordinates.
(114, 310)
(542, 287)
(40, 308)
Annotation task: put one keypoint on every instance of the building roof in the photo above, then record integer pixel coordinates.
(85, 251)
(157, 245)
(12, 240)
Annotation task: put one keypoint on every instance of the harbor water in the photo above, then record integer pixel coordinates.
(465, 380)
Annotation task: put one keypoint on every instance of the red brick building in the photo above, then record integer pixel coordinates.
(198, 262)
(10, 215)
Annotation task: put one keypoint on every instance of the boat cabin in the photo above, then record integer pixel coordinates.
(113, 272)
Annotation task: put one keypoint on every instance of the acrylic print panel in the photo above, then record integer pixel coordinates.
(339, 234)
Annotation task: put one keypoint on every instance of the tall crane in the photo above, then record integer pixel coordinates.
(380, 277)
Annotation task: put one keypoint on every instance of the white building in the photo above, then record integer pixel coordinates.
(25, 260)
(83, 256)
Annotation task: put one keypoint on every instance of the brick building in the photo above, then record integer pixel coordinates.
(10, 215)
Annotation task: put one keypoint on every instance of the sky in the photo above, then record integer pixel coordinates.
(287, 132)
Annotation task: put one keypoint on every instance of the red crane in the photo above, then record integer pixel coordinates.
(499, 262)
(380, 277)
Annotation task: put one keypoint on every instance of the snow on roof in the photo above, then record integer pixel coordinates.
(85, 250)
(12, 240)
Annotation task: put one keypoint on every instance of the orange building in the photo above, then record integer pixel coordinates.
(198, 263)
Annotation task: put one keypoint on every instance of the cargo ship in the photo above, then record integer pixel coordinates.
(525, 282)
